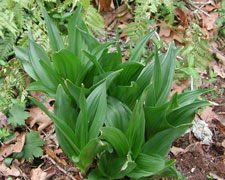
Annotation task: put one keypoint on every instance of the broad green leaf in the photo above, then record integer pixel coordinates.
(110, 61)
(168, 67)
(56, 41)
(76, 41)
(117, 138)
(130, 72)
(100, 50)
(96, 175)
(32, 147)
(114, 167)
(64, 143)
(157, 76)
(65, 130)
(149, 165)
(90, 41)
(108, 77)
(82, 121)
(89, 152)
(170, 172)
(95, 62)
(144, 78)
(126, 94)
(163, 72)
(190, 96)
(155, 118)
(161, 142)
(118, 114)
(67, 65)
(155, 90)
(64, 108)
(185, 114)
(96, 108)
(36, 54)
(136, 128)
(53, 78)
(38, 86)
(76, 90)
(23, 54)
(137, 52)
(118, 45)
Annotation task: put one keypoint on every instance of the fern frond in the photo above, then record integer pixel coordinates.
(6, 46)
(198, 48)
(94, 21)
(50, 1)
(135, 30)
(13, 85)
(64, 5)
(7, 22)
(143, 13)
(85, 3)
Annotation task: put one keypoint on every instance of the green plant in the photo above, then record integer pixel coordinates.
(221, 21)
(32, 147)
(4, 135)
(12, 84)
(196, 54)
(16, 17)
(18, 115)
(212, 76)
(220, 92)
(117, 112)
(148, 11)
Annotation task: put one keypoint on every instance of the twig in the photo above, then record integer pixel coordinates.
(192, 83)
(198, 8)
(157, 35)
(201, 3)
(61, 169)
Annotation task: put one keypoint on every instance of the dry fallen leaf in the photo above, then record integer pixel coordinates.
(179, 36)
(209, 8)
(180, 28)
(220, 122)
(13, 146)
(164, 30)
(109, 18)
(182, 16)
(176, 150)
(208, 114)
(209, 22)
(105, 5)
(195, 147)
(219, 70)
(55, 157)
(221, 57)
(179, 87)
(223, 143)
(37, 116)
(38, 174)
(5, 171)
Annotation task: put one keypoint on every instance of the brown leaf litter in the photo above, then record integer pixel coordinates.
(15, 145)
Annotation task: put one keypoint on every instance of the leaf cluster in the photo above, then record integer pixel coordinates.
(146, 11)
(12, 84)
(16, 17)
(118, 112)
(197, 54)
